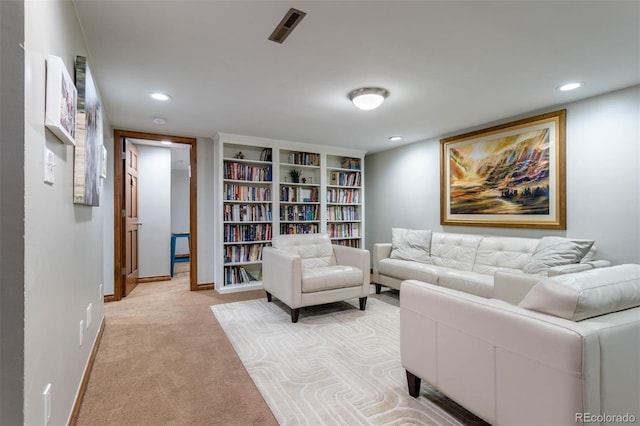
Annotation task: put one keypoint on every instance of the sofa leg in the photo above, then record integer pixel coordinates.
(378, 288)
(295, 313)
(413, 382)
(363, 303)
(268, 296)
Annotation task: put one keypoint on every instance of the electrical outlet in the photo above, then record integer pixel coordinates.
(46, 400)
(89, 315)
(81, 331)
(100, 292)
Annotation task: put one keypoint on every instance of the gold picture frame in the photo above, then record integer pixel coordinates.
(511, 175)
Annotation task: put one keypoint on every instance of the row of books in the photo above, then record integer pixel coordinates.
(297, 194)
(343, 230)
(243, 253)
(304, 158)
(345, 178)
(246, 193)
(265, 155)
(350, 163)
(239, 275)
(348, 243)
(298, 228)
(343, 213)
(247, 213)
(299, 212)
(343, 195)
(247, 233)
(239, 171)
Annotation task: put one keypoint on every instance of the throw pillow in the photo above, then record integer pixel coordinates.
(410, 244)
(556, 251)
(586, 294)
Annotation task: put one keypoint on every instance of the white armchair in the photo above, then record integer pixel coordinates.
(306, 269)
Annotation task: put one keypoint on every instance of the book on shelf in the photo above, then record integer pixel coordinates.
(265, 155)
(345, 178)
(350, 163)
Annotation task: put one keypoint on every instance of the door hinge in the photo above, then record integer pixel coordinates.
(124, 271)
(124, 213)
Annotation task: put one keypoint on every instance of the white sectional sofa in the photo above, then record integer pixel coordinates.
(469, 262)
(567, 353)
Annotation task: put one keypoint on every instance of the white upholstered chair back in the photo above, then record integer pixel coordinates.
(315, 250)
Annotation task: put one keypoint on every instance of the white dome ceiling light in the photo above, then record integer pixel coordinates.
(158, 96)
(368, 98)
(570, 86)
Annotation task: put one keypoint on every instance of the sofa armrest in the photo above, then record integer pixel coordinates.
(282, 275)
(380, 251)
(512, 287)
(358, 258)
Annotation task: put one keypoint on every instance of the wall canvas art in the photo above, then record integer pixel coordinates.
(87, 158)
(506, 176)
(61, 101)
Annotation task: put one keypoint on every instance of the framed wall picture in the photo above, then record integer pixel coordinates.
(511, 175)
(87, 164)
(61, 101)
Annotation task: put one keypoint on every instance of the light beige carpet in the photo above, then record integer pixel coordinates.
(336, 366)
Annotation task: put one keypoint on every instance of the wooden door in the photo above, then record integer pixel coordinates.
(131, 218)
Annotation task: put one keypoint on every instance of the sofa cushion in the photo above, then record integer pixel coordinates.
(556, 251)
(329, 277)
(504, 254)
(407, 270)
(315, 250)
(586, 294)
(469, 282)
(411, 244)
(455, 251)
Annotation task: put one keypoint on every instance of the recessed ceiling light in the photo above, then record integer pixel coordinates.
(570, 86)
(159, 120)
(165, 142)
(368, 98)
(159, 96)
(395, 138)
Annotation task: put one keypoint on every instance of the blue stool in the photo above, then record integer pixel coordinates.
(179, 258)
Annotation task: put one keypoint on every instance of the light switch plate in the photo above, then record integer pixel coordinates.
(49, 166)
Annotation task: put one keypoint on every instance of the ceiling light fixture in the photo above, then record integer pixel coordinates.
(159, 96)
(159, 120)
(368, 98)
(570, 86)
(395, 138)
(165, 142)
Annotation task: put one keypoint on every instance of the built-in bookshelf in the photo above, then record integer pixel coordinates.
(299, 192)
(257, 197)
(344, 200)
(247, 213)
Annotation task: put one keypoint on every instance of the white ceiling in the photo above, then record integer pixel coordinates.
(449, 65)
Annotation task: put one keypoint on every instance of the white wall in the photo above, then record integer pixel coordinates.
(63, 255)
(603, 180)
(180, 206)
(154, 201)
(206, 186)
(11, 212)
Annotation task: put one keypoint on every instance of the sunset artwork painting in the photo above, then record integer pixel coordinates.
(510, 175)
(506, 175)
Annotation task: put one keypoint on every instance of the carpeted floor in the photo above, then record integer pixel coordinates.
(336, 366)
(164, 360)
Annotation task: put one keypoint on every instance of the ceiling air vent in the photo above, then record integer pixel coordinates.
(286, 25)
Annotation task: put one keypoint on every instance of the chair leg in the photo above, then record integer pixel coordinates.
(363, 303)
(268, 296)
(295, 313)
(413, 382)
(378, 288)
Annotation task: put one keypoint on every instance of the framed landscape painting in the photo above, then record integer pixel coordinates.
(511, 175)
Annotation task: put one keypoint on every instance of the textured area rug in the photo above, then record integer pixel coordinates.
(336, 366)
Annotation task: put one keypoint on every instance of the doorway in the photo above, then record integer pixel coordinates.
(123, 247)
